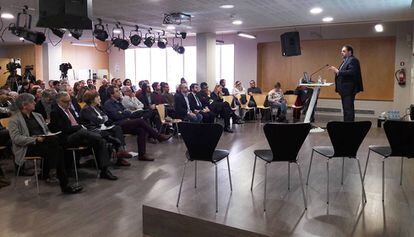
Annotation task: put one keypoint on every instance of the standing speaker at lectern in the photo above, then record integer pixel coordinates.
(348, 81)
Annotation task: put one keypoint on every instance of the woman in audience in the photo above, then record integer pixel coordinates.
(239, 94)
(93, 118)
(127, 82)
(76, 88)
(37, 93)
(277, 102)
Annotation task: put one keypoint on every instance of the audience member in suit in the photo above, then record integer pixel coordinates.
(93, 118)
(197, 107)
(251, 91)
(182, 106)
(44, 106)
(147, 99)
(224, 89)
(130, 125)
(63, 118)
(348, 81)
(217, 97)
(74, 105)
(169, 99)
(102, 91)
(26, 129)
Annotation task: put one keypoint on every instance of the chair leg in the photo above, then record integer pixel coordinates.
(265, 184)
(309, 169)
(36, 178)
(383, 178)
(366, 165)
(402, 168)
(342, 176)
(216, 186)
(17, 175)
(327, 181)
(96, 163)
(195, 174)
(228, 166)
(181, 184)
(364, 195)
(254, 169)
(301, 185)
(288, 175)
(76, 169)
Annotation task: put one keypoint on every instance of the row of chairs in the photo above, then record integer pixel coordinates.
(286, 140)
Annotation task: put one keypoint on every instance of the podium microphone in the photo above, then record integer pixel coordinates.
(320, 69)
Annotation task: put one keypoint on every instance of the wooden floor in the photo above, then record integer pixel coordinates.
(108, 208)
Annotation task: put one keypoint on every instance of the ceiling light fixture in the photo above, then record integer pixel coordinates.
(178, 47)
(76, 33)
(162, 41)
(135, 38)
(379, 28)
(58, 32)
(227, 6)
(316, 10)
(237, 22)
(99, 31)
(327, 19)
(149, 39)
(6, 15)
(82, 44)
(246, 35)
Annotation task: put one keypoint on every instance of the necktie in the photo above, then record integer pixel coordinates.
(343, 63)
(197, 100)
(71, 118)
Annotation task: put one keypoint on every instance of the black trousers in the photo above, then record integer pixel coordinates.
(52, 154)
(348, 107)
(87, 138)
(219, 108)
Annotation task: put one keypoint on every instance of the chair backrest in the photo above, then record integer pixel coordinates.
(161, 111)
(200, 139)
(228, 99)
(290, 99)
(5, 122)
(260, 99)
(346, 137)
(285, 140)
(400, 135)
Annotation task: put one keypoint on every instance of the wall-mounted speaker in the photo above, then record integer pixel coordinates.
(290, 44)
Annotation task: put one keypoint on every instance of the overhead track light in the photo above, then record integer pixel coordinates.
(162, 42)
(99, 31)
(24, 31)
(58, 32)
(135, 38)
(149, 39)
(76, 33)
(179, 47)
(119, 42)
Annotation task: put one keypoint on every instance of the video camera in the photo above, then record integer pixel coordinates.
(13, 66)
(64, 67)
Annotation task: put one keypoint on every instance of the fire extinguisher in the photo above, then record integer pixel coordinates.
(400, 76)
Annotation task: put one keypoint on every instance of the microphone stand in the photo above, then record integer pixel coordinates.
(320, 69)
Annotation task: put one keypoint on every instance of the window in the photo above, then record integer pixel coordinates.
(225, 64)
(161, 65)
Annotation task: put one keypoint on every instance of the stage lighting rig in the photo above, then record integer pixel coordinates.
(135, 38)
(99, 31)
(178, 47)
(119, 42)
(149, 39)
(76, 33)
(162, 40)
(24, 31)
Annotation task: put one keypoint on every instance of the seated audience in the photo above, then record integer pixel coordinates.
(197, 107)
(130, 125)
(56, 85)
(239, 94)
(182, 106)
(74, 105)
(127, 82)
(251, 91)
(156, 96)
(26, 130)
(278, 102)
(44, 105)
(63, 118)
(169, 99)
(224, 89)
(93, 118)
(102, 91)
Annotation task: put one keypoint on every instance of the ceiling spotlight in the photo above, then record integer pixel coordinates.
(246, 35)
(178, 47)
(170, 27)
(183, 35)
(327, 19)
(120, 43)
(99, 31)
(6, 15)
(32, 36)
(76, 33)
(316, 10)
(237, 22)
(227, 6)
(379, 28)
(58, 32)
(149, 40)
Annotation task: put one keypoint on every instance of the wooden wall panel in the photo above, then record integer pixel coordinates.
(25, 52)
(377, 57)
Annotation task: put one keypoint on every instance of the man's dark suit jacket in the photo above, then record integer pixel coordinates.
(89, 118)
(181, 108)
(193, 103)
(59, 121)
(348, 81)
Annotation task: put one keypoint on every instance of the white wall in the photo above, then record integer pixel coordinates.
(116, 64)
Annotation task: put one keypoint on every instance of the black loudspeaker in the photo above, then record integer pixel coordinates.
(290, 44)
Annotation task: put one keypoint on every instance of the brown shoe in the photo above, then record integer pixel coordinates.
(145, 158)
(123, 154)
(122, 162)
(163, 137)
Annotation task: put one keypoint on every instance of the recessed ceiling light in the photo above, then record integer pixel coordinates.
(316, 10)
(237, 22)
(379, 28)
(227, 6)
(170, 27)
(7, 15)
(246, 35)
(327, 19)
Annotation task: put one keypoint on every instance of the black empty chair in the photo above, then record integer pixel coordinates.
(400, 135)
(346, 138)
(285, 141)
(201, 140)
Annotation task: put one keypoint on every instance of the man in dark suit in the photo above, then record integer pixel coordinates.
(348, 81)
(197, 107)
(63, 118)
(182, 106)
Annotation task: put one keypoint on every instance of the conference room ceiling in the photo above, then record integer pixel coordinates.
(255, 14)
